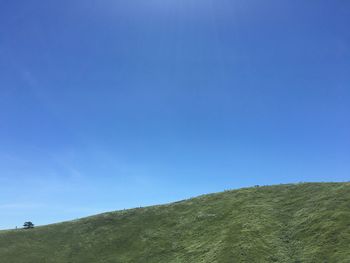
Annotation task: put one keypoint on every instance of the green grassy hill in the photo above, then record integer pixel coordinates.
(286, 223)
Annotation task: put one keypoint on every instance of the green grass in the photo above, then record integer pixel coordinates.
(285, 223)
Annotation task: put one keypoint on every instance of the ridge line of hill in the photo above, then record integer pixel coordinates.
(289, 223)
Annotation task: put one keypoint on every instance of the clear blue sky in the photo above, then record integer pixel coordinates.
(113, 104)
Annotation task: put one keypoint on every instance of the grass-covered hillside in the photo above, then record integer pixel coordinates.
(285, 223)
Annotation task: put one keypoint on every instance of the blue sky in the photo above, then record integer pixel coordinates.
(113, 104)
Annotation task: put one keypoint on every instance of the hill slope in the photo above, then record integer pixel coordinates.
(285, 223)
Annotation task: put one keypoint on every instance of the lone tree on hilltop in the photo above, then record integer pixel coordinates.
(28, 225)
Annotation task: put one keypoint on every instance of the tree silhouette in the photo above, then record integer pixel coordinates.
(28, 225)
